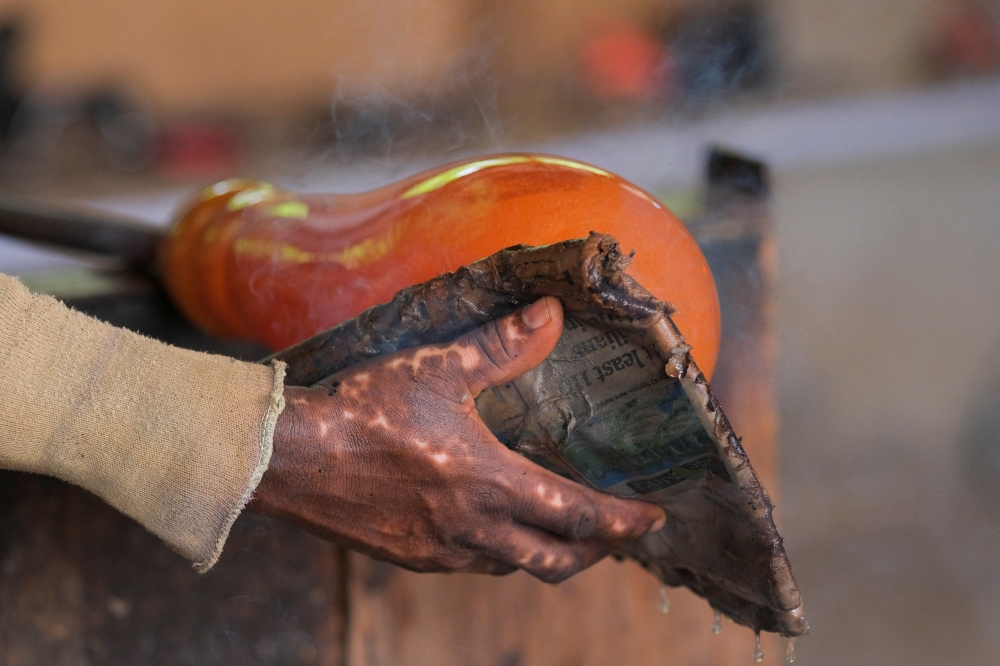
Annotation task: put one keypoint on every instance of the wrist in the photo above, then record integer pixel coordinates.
(289, 434)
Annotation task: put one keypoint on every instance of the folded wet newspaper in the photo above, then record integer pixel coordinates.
(602, 411)
(619, 405)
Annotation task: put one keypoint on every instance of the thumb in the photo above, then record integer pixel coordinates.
(506, 348)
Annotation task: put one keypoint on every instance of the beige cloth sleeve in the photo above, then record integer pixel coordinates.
(176, 439)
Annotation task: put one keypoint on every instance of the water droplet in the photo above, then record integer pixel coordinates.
(717, 623)
(758, 651)
(664, 600)
(790, 650)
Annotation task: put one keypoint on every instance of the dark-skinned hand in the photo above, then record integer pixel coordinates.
(389, 457)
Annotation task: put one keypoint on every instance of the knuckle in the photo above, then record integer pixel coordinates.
(623, 519)
(559, 572)
(522, 501)
(554, 564)
(495, 350)
(493, 503)
(581, 521)
(474, 539)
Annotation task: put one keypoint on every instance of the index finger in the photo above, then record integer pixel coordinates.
(545, 499)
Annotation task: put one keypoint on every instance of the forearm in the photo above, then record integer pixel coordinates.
(176, 439)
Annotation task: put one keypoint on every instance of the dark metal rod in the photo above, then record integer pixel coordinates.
(132, 240)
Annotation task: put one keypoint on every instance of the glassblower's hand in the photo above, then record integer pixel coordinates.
(389, 457)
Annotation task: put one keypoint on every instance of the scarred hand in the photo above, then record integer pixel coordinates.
(389, 457)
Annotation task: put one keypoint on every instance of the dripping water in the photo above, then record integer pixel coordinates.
(758, 651)
(717, 623)
(664, 600)
(790, 650)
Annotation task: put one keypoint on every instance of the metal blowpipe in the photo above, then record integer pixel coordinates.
(79, 228)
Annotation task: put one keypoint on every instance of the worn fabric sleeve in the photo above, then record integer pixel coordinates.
(176, 439)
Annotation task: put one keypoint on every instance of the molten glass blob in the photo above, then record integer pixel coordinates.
(249, 260)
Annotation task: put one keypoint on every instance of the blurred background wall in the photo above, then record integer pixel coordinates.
(829, 46)
(266, 57)
(260, 56)
(201, 89)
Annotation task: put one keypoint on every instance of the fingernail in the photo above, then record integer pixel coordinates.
(537, 314)
(658, 525)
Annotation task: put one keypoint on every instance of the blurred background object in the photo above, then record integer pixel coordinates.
(228, 84)
(99, 128)
(968, 38)
(720, 52)
(625, 62)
